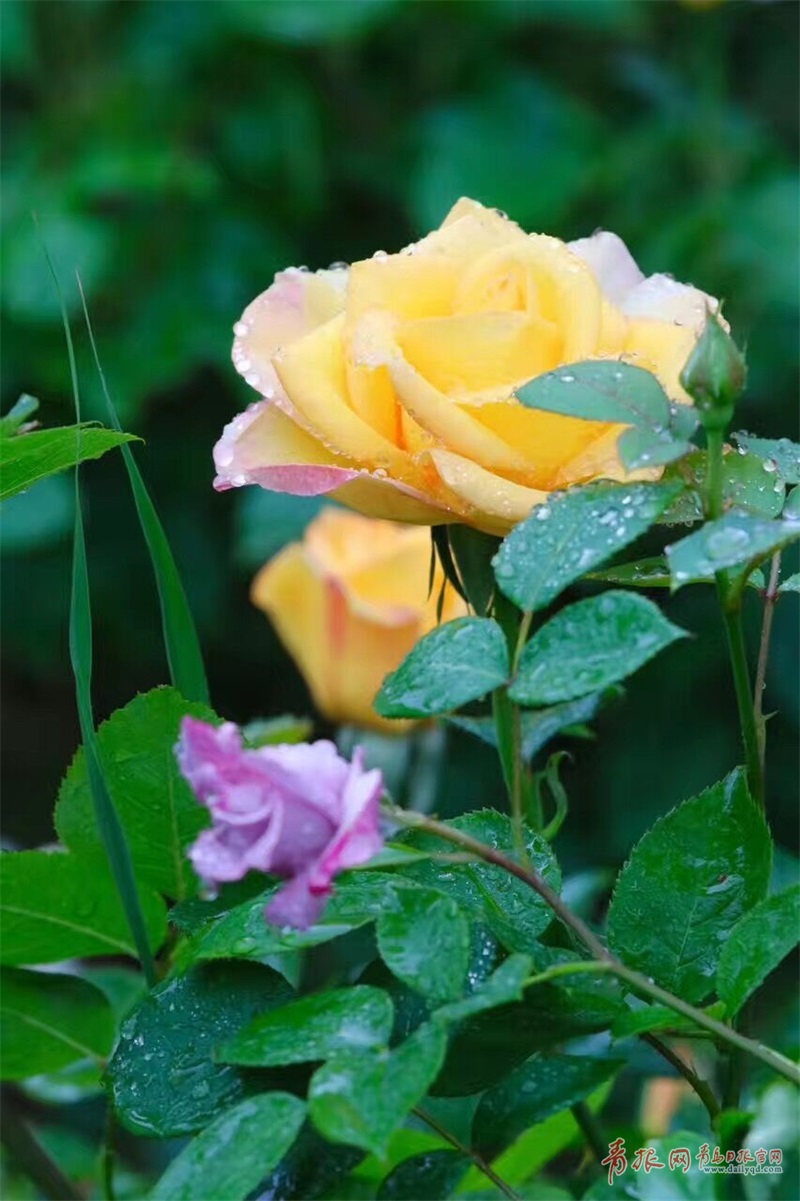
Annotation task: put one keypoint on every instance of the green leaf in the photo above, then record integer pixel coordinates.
(537, 1147)
(539, 728)
(391, 854)
(654, 445)
(26, 458)
(791, 583)
(502, 987)
(536, 1090)
(361, 1097)
(48, 1021)
(434, 1174)
(17, 415)
(456, 663)
(486, 1042)
(487, 1046)
(312, 1168)
(512, 910)
(600, 390)
(162, 1078)
(733, 540)
(784, 454)
(77, 1081)
(748, 482)
(641, 573)
(654, 573)
(572, 533)
(589, 646)
(423, 938)
(757, 944)
(232, 1155)
(792, 506)
(56, 906)
(473, 552)
(659, 1017)
(243, 932)
(315, 1027)
(158, 811)
(181, 642)
(692, 876)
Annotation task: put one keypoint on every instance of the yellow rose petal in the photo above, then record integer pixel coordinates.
(342, 543)
(494, 504)
(547, 440)
(451, 424)
(392, 500)
(343, 657)
(349, 603)
(312, 370)
(480, 354)
(295, 303)
(662, 347)
(600, 460)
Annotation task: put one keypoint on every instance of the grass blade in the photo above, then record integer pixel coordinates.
(80, 651)
(180, 635)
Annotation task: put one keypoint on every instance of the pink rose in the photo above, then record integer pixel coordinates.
(301, 812)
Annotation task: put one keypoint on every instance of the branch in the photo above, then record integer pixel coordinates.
(605, 960)
(478, 1160)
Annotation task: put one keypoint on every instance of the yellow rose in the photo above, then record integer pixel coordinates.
(349, 602)
(390, 384)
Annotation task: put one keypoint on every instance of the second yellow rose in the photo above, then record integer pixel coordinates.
(349, 602)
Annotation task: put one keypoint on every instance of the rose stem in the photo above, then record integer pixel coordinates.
(637, 981)
(478, 1160)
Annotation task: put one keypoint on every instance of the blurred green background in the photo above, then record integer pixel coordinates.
(179, 152)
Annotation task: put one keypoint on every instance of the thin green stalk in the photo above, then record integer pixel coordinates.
(478, 1160)
(770, 600)
(507, 725)
(589, 1127)
(507, 720)
(730, 598)
(607, 962)
(25, 1149)
(715, 442)
(750, 721)
(181, 641)
(592, 965)
(697, 1083)
(109, 826)
(737, 651)
(109, 1155)
(522, 638)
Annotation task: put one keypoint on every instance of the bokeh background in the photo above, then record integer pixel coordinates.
(178, 152)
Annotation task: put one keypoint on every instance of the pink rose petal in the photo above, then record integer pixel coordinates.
(300, 812)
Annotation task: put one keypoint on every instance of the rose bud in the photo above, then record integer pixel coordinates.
(714, 374)
(349, 602)
(300, 812)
